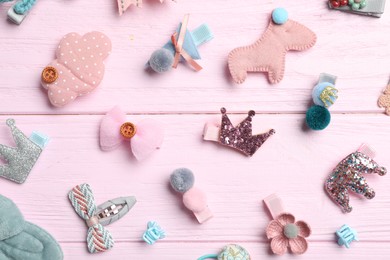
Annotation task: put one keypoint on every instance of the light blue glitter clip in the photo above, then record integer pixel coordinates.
(153, 233)
(346, 235)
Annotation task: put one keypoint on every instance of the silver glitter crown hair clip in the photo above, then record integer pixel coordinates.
(21, 159)
(239, 137)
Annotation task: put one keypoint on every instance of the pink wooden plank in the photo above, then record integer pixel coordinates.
(235, 185)
(180, 251)
(353, 47)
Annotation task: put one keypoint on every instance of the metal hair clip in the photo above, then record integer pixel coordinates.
(112, 210)
(99, 238)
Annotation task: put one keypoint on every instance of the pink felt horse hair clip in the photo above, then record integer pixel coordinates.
(269, 52)
(144, 138)
(78, 68)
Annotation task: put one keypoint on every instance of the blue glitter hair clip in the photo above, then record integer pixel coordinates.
(348, 176)
(22, 158)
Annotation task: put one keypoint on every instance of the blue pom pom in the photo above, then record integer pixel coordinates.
(317, 117)
(328, 97)
(161, 60)
(182, 180)
(279, 15)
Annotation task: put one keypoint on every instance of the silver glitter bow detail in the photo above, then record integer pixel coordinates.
(22, 158)
(83, 202)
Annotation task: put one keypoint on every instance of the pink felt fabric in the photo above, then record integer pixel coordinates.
(80, 67)
(268, 53)
(195, 200)
(280, 243)
(148, 137)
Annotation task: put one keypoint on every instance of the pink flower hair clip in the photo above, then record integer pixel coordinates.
(144, 137)
(283, 231)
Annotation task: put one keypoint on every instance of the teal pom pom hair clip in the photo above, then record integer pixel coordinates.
(19, 10)
(324, 95)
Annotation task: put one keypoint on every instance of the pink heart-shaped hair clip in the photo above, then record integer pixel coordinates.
(144, 138)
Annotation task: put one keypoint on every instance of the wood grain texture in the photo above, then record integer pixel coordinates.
(293, 163)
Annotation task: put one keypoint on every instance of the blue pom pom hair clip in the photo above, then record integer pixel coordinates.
(324, 95)
(182, 46)
(19, 10)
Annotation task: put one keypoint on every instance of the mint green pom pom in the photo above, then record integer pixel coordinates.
(317, 117)
(355, 6)
(279, 15)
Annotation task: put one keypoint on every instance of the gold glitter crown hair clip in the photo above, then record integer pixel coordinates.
(239, 137)
(21, 159)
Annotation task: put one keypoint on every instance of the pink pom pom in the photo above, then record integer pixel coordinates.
(195, 200)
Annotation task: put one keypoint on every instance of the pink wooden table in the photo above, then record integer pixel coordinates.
(294, 163)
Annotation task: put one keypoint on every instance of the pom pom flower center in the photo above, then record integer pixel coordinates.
(291, 230)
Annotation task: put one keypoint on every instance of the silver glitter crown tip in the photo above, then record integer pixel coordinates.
(20, 159)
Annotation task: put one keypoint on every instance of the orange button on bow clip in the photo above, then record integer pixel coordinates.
(128, 130)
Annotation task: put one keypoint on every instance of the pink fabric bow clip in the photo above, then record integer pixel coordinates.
(144, 138)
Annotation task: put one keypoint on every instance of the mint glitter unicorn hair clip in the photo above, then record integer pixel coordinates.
(19, 10)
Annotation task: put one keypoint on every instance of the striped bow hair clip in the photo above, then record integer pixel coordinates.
(83, 202)
(144, 138)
